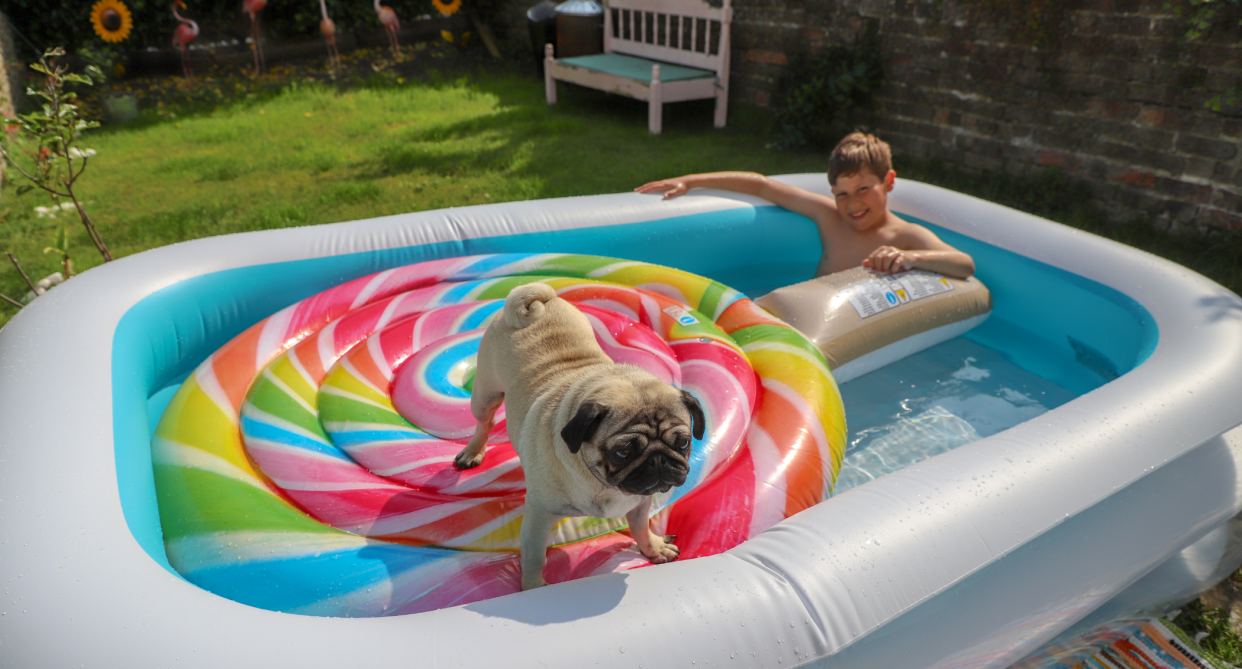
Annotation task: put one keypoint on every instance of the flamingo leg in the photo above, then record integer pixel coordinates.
(392, 38)
(185, 67)
(255, 38)
(259, 43)
(333, 58)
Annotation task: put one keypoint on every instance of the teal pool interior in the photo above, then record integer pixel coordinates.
(1052, 336)
(934, 401)
(1061, 334)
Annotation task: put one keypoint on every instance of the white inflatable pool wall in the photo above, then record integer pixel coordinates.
(972, 558)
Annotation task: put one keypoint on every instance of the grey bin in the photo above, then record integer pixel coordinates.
(579, 28)
(541, 22)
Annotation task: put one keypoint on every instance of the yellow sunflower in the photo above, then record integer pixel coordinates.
(447, 8)
(112, 20)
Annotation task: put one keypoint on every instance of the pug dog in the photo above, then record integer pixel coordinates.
(595, 438)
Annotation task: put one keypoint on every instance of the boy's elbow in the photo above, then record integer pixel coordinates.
(968, 266)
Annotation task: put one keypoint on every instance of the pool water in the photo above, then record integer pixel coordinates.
(1052, 336)
(934, 401)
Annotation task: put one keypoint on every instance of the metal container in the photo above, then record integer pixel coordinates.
(541, 22)
(579, 28)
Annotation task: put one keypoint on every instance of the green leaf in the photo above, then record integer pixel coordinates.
(24, 188)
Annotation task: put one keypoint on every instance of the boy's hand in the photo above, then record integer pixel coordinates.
(889, 260)
(670, 187)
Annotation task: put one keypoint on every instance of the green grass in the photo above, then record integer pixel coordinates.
(1221, 642)
(311, 154)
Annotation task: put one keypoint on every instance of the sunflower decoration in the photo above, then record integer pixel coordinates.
(447, 8)
(113, 21)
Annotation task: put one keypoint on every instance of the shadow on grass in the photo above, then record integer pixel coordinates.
(590, 142)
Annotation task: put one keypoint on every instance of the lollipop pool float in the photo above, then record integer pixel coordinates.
(307, 465)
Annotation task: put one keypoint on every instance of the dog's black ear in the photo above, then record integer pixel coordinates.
(699, 422)
(582, 426)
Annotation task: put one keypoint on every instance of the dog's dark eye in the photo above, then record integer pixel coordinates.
(621, 453)
(681, 442)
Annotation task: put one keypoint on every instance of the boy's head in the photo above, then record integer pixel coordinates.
(857, 153)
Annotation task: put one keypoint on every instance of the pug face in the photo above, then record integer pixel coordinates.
(637, 442)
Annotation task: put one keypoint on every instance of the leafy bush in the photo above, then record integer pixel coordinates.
(824, 96)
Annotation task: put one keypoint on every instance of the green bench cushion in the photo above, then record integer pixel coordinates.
(632, 67)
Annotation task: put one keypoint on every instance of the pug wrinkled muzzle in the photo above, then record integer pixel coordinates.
(657, 473)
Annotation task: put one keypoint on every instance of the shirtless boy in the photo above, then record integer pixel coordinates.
(855, 225)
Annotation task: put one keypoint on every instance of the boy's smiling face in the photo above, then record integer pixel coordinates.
(862, 198)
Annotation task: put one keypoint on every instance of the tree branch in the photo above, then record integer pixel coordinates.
(18, 265)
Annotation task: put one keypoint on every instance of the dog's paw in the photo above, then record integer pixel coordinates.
(662, 550)
(533, 584)
(468, 460)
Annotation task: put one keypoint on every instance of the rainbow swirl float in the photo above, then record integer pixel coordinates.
(306, 466)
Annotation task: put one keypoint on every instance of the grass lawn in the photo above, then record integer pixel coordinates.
(314, 154)
(311, 153)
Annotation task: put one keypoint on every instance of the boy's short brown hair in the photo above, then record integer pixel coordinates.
(857, 152)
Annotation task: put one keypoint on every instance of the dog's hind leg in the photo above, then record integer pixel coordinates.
(486, 395)
(472, 455)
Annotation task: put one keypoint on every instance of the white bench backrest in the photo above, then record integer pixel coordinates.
(685, 32)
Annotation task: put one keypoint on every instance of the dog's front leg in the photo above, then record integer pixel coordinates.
(536, 524)
(658, 549)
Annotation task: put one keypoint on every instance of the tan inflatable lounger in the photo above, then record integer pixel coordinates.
(862, 320)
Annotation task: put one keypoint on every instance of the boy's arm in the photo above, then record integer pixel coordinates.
(949, 262)
(922, 250)
(811, 205)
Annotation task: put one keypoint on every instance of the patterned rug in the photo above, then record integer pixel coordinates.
(1126, 644)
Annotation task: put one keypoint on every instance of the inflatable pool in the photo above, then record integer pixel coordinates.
(1114, 501)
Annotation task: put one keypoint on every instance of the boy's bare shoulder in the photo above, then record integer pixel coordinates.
(819, 208)
(914, 237)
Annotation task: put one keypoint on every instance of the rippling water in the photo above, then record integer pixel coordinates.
(934, 401)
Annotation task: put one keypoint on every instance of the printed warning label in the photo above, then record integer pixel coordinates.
(681, 315)
(893, 290)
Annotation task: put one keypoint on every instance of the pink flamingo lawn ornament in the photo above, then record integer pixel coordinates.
(185, 33)
(253, 7)
(328, 28)
(391, 24)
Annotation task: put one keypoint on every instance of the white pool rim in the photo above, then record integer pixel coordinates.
(975, 557)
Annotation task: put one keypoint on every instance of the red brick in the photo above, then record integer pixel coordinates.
(1151, 116)
(1111, 108)
(1223, 219)
(1135, 178)
(1183, 191)
(769, 57)
(1057, 159)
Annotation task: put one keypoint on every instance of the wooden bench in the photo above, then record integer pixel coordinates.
(655, 50)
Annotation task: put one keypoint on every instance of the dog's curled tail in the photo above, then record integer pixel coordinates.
(525, 304)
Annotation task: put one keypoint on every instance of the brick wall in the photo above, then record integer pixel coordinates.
(1109, 91)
